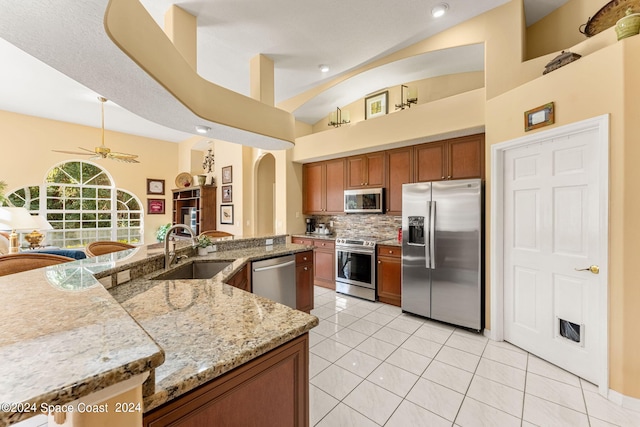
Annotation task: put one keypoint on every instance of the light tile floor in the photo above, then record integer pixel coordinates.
(372, 365)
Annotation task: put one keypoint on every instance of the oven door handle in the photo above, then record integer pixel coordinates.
(357, 251)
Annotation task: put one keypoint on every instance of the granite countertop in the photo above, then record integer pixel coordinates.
(64, 337)
(316, 236)
(206, 327)
(390, 242)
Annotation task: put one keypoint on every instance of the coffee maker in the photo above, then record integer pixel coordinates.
(311, 225)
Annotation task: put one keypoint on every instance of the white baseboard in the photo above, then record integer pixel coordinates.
(624, 401)
(487, 333)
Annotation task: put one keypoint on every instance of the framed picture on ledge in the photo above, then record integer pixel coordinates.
(376, 105)
(226, 214)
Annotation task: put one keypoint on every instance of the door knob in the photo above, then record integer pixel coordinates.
(592, 268)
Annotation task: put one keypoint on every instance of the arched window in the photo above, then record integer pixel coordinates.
(81, 202)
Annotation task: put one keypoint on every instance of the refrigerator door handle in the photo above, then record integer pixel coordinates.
(432, 236)
(427, 248)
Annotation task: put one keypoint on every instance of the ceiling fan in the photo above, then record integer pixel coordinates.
(103, 152)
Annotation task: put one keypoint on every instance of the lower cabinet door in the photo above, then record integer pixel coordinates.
(271, 390)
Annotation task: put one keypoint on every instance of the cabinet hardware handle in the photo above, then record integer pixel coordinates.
(449, 177)
(390, 252)
(306, 268)
(442, 177)
(379, 262)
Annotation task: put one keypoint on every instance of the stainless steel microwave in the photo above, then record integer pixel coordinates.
(368, 200)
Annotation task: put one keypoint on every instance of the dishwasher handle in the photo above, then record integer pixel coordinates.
(271, 267)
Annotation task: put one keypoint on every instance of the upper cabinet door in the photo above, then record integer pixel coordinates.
(334, 188)
(375, 169)
(356, 171)
(430, 160)
(313, 198)
(399, 171)
(366, 170)
(458, 158)
(466, 157)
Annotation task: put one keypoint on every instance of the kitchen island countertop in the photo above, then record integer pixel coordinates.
(66, 336)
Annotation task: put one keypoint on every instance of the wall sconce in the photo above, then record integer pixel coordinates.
(337, 119)
(412, 97)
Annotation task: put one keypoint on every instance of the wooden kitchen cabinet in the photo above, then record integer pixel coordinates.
(304, 281)
(399, 170)
(195, 205)
(324, 260)
(270, 390)
(457, 158)
(390, 274)
(366, 170)
(323, 187)
(324, 263)
(242, 279)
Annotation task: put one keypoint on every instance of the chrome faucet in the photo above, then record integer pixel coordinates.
(170, 243)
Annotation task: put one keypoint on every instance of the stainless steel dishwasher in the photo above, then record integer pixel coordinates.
(275, 279)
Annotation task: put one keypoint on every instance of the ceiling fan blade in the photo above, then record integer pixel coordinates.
(90, 151)
(74, 152)
(123, 157)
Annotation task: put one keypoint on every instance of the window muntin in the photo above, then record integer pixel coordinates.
(83, 205)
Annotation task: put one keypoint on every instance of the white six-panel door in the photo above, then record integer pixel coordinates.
(551, 238)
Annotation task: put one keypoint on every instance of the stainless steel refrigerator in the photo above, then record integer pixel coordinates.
(442, 275)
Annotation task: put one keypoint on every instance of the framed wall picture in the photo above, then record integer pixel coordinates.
(376, 105)
(155, 186)
(543, 115)
(227, 194)
(155, 206)
(227, 176)
(226, 214)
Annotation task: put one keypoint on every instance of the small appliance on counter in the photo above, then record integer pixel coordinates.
(311, 227)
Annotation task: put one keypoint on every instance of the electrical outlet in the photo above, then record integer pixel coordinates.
(269, 242)
(331, 224)
(106, 282)
(297, 214)
(214, 248)
(123, 276)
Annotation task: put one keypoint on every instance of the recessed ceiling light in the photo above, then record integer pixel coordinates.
(323, 68)
(439, 10)
(202, 129)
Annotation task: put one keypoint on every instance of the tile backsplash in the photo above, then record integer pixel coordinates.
(353, 225)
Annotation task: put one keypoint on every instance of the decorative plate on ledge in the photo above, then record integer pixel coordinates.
(184, 180)
(608, 16)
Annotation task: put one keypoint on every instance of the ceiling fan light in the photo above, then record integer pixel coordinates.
(439, 10)
(202, 129)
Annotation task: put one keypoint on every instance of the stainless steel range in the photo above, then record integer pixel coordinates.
(356, 266)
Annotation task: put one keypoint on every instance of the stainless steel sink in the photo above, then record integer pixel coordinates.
(194, 270)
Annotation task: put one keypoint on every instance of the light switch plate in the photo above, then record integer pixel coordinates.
(269, 242)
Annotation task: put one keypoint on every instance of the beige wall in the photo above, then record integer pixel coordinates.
(27, 141)
(228, 154)
(559, 31)
(428, 90)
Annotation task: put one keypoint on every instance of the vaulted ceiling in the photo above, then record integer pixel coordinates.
(56, 61)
